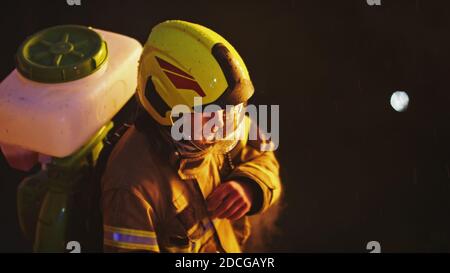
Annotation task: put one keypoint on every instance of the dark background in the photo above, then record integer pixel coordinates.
(354, 170)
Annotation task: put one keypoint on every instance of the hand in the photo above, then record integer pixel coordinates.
(231, 200)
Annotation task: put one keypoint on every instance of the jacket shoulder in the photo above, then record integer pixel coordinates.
(133, 165)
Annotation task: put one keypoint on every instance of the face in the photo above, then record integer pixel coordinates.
(215, 128)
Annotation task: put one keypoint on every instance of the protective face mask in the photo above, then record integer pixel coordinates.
(220, 141)
(223, 145)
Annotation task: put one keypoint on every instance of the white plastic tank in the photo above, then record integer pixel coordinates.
(67, 85)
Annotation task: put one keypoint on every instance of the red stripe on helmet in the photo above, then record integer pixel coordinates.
(172, 68)
(184, 83)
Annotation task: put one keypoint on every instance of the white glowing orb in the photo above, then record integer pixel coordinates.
(399, 101)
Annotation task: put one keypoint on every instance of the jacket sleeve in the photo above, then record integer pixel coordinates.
(128, 222)
(259, 169)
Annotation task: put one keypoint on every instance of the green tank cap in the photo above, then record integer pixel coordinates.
(61, 53)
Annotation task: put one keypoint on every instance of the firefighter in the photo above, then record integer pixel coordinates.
(161, 194)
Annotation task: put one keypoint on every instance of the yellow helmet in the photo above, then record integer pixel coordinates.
(181, 61)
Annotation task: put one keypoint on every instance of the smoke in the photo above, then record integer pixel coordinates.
(264, 228)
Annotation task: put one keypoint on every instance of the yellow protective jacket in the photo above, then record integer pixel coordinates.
(154, 200)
